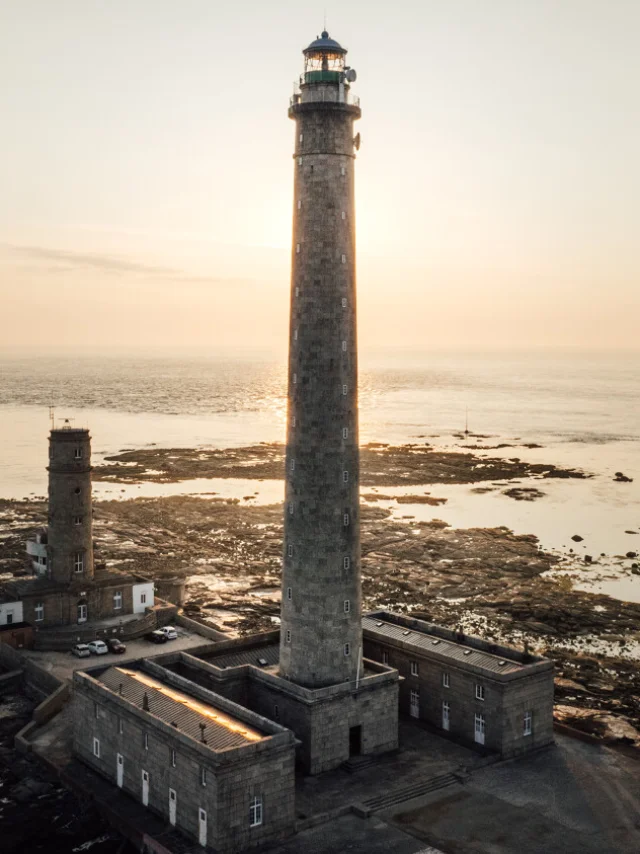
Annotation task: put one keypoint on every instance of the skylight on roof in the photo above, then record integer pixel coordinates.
(467, 652)
(435, 642)
(379, 624)
(501, 663)
(406, 633)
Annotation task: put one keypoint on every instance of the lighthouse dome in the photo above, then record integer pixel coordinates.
(325, 44)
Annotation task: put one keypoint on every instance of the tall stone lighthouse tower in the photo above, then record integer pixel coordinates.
(70, 542)
(321, 633)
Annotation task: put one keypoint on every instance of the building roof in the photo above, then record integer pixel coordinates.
(325, 43)
(260, 655)
(175, 707)
(436, 646)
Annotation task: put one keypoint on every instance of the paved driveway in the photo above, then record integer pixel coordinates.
(62, 664)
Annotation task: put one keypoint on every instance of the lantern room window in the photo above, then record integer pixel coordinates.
(324, 60)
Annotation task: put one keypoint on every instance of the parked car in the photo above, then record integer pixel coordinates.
(98, 647)
(156, 637)
(81, 650)
(169, 632)
(116, 646)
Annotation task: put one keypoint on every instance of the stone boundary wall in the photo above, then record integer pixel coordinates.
(52, 704)
(34, 676)
(200, 628)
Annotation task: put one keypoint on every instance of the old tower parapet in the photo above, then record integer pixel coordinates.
(70, 541)
(321, 637)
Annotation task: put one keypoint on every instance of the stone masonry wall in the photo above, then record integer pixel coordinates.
(231, 779)
(321, 634)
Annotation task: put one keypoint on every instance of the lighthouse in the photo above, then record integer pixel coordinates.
(321, 626)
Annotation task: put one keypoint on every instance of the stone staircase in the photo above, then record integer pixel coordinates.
(359, 763)
(398, 796)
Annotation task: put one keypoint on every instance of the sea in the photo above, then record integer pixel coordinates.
(581, 407)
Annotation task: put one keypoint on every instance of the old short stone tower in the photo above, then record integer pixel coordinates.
(321, 637)
(70, 541)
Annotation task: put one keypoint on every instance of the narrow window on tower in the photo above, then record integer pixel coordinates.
(345, 432)
(291, 508)
(288, 593)
(344, 389)
(77, 454)
(297, 292)
(347, 606)
(345, 519)
(343, 171)
(295, 379)
(347, 649)
(276, 712)
(298, 248)
(344, 346)
(344, 259)
(290, 551)
(346, 562)
(299, 203)
(295, 335)
(345, 477)
(293, 465)
(293, 421)
(288, 635)
(299, 161)
(301, 137)
(344, 215)
(344, 302)
(77, 520)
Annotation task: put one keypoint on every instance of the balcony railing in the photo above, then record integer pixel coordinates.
(329, 96)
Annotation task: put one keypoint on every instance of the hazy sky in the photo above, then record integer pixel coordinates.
(146, 173)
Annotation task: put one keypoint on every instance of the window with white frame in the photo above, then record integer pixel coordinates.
(295, 379)
(255, 812)
(173, 758)
(344, 346)
(298, 248)
(292, 465)
(344, 259)
(290, 551)
(78, 562)
(77, 454)
(117, 600)
(301, 137)
(347, 649)
(344, 302)
(77, 520)
(203, 776)
(346, 563)
(347, 606)
(96, 747)
(293, 421)
(344, 215)
(343, 171)
(39, 611)
(385, 656)
(143, 598)
(527, 727)
(295, 334)
(42, 561)
(414, 668)
(297, 292)
(344, 389)
(299, 203)
(479, 692)
(446, 680)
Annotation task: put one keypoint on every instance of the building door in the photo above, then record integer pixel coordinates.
(172, 807)
(9, 618)
(355, 741)
(445, 715)
(202, 828)
(414, 704)
(82, 613)
(120, 769)
(145, 788)
(479, 732)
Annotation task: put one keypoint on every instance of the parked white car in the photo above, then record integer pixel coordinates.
(98, 647)
(169, 632)
(81, 650)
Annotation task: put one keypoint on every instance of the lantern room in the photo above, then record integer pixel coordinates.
(324, 61)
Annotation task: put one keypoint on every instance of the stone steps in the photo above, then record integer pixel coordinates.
(415, 790)
(358, 763)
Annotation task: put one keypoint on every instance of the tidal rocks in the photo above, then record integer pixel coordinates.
(622, 478)
(577, 538)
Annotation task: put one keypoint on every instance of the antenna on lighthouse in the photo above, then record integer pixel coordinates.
(51, 416)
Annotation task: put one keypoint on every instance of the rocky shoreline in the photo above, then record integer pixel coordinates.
(484, 580)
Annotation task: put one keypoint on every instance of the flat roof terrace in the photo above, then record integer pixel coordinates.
(180, 709)
(439, 643)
